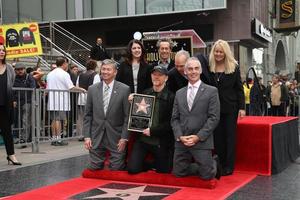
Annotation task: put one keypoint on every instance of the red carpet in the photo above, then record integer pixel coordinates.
(254, 143)
(72, 189)
(150, 177)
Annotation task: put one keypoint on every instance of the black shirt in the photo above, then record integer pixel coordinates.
(3, 88)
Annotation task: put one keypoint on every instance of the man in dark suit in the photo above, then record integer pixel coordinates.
(164, 47)
(196, 113)
(105, 119)
(98, 52)
(177, 78)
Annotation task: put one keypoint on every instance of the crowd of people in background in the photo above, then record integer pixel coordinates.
(178, 133)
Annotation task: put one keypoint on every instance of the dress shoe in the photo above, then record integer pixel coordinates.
(9, 160)
(219, 167)
(227, 172)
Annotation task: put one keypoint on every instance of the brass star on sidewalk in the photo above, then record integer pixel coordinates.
(129, 194)
(142, 106)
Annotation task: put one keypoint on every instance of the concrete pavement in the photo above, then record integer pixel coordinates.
(47, 153)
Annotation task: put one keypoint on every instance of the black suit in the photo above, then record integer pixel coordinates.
(171, 65)
(125, 75)
(176, 80)
(98, 53)
(232, 100)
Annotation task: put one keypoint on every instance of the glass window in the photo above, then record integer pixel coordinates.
(104, 8)
(54, 10)
(122, 7)
(30, 10)
(71, 9)
(87, 9)
(181, 5)
(214, 4)
(10, 11)
(158, 6)
(140, 6)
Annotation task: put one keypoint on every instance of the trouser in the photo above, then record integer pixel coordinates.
(203, 166)
(98, 155)
(141, 150)
(6, 133)
(26, 122)
(225, 139)
(278, 110)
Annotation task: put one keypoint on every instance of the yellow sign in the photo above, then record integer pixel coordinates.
(21, 40)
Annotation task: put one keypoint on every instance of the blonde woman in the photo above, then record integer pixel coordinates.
(226, 77)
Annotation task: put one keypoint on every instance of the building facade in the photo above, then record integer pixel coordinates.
(246, 24)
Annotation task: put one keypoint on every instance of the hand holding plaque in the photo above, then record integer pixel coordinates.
(141, 112)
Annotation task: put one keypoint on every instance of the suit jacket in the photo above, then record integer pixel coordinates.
(171, 65)
(201, 120)
(115, 121)
(98, 53)
(125, 75)
(231, 91)
(176, 81)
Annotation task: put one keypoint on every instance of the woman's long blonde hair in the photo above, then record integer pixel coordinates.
(229, 61)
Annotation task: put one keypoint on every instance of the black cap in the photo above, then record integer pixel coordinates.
(160, 69)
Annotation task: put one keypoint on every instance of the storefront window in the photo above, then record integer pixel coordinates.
(158, 6)
(140, 6)
(10, 11)
(30, 11)
(104, 8)
(54, 10)
(71, 9)
(87, 8)
(209, 4)
(122, 7)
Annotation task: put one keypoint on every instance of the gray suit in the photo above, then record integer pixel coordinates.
(105, 131)
(201, 121)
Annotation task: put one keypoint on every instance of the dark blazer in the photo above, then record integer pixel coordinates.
(231, 91)
(170, 66)
(125, 75)
(115, 121)
(176, 81)
(201, 120)
(10, 81)
(99, 53)
(163, 130)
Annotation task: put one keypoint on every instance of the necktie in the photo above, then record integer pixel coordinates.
(191, 97)
(105, 98)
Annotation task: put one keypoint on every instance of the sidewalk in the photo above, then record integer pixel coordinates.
(47, 153)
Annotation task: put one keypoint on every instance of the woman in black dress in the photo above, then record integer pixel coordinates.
(7, 78)
(227, 78)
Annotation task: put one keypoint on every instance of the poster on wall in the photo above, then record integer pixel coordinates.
(21, 40)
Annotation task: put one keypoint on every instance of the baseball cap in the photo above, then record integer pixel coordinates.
(20, 65)
(160, 69)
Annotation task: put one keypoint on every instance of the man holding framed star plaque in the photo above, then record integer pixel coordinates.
(150, 116)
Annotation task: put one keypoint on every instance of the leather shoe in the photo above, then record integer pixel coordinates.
(227, 172)
(219, 167)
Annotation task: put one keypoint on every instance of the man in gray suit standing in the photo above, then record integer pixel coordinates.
(105, 119)
(196, 113)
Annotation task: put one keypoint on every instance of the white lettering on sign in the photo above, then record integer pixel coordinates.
(264, 31)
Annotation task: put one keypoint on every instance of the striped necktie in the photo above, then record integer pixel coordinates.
(191, 97)
(105, 98)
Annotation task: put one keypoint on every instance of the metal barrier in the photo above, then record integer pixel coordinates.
(34, 122)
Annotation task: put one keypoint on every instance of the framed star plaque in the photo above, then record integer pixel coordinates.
(141, 112)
